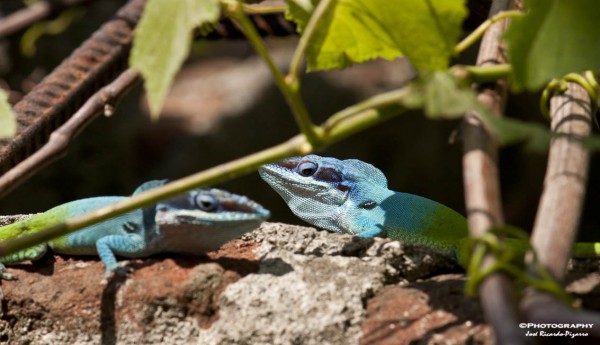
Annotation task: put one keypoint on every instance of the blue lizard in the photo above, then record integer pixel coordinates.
(352, 196)
(194, 222)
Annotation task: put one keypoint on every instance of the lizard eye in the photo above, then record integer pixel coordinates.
(307, 168)
(206, 202)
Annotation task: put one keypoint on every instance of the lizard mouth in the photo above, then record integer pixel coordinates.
(280, 174)
(288, 184)
(199, 217)
(283, 169)
(227, 207)
(240, 206)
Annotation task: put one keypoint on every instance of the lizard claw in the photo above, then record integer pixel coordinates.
(6, 276)
(119, 271)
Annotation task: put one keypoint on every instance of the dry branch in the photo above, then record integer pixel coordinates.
(557, 219)
(95, 63)
(101, 102)
(482, 188)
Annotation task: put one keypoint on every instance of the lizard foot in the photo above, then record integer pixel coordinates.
(7, 276)
(118, 272)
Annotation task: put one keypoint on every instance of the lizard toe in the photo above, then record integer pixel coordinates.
(7, 276)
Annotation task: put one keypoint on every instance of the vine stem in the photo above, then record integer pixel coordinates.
(481, 74)
(213, 175)
(482, 186)
(262, 9)
(291, 92)
(307, 36)
(339, 126)
(390, 97)
(362, 117)
(481, 29)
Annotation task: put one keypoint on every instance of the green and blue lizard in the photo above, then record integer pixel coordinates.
(352, 196)
(195, 222)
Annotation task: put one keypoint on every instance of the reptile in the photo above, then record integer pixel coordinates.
(351, 196)
(195, 222)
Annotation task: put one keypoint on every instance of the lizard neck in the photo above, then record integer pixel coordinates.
(415, 219)
(376, 211)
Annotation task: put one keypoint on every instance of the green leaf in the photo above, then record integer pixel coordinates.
(355, 31)
(441, 96)
(162, 42)
(8, 125)
(299, 11)
(553, 38)
(444, 98)
(510, 131)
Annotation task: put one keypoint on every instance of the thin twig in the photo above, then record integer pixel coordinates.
(322, 9)
(483, 27)
(250, 9)
(60, 139)
(95, 63)
(39, 11)
(291, 92)
(482, 188)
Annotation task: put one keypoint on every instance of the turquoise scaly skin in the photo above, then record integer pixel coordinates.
(194, 222)
(352, 196)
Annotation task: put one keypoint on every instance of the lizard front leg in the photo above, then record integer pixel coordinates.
(107, 246)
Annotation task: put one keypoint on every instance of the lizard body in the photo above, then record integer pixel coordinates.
(194, 222)
(352, 196)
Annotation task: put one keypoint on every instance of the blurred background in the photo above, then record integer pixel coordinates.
(225, 105)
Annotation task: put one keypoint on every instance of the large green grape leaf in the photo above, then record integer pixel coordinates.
(8, 125)
(162, 42)
(553, 38)
(355, 31)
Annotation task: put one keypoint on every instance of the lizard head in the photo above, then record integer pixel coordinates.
(206, 219)
(326, 192)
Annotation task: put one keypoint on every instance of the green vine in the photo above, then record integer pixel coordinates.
(588, 81)
(509, 258)
(291, 91)
(481, 29)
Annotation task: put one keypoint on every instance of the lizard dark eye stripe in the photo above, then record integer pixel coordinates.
(343, 187)
(287, 164)
(329, 175)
